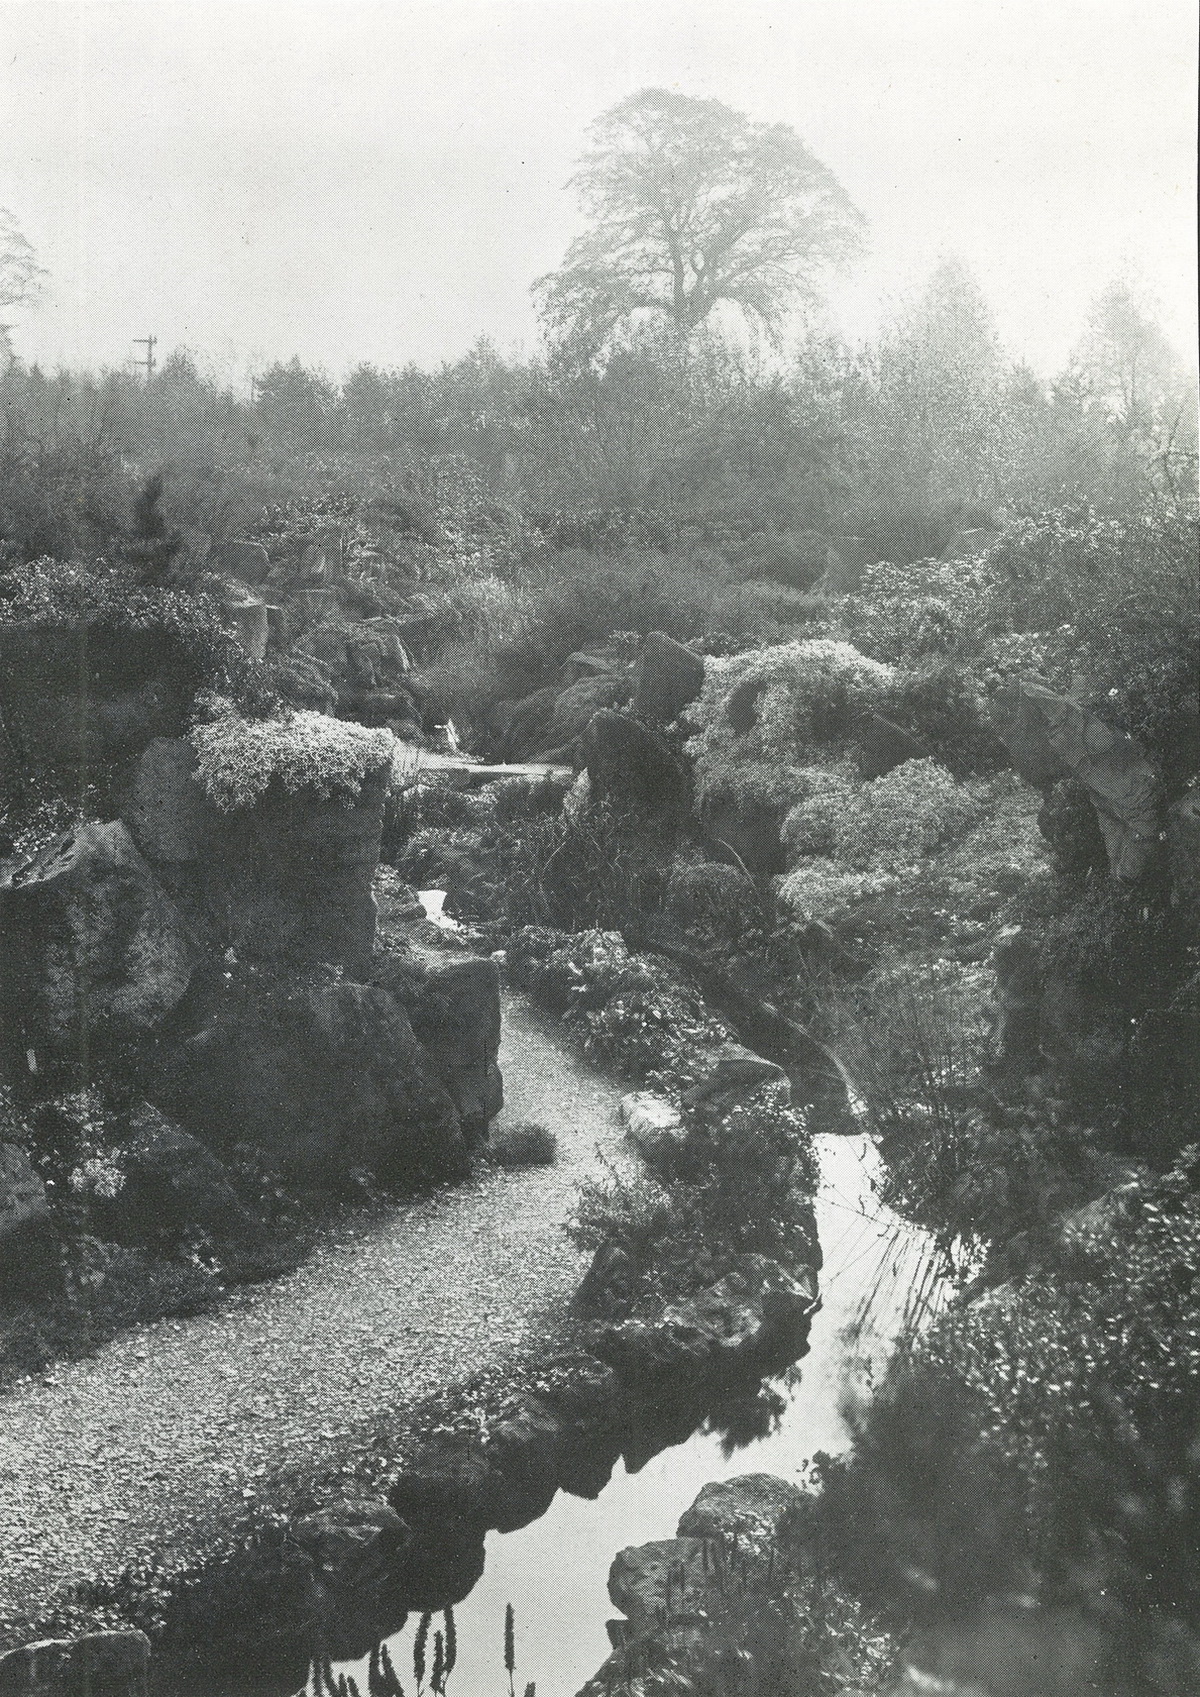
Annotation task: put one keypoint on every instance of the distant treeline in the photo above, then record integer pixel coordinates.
(902, 442)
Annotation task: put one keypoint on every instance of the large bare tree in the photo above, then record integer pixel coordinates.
(693, 205)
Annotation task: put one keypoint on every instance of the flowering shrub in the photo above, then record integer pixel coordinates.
(812, 826)
(239, 757)
(762, 714)
(893, 820)
(930, 607)
(628, 1009)
(821, 889)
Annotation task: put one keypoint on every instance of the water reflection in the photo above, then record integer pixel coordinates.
(880, 1278)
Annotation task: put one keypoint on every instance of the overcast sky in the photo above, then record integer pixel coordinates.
(382, 182)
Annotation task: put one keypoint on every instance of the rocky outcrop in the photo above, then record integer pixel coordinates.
(287, 879)
(751, 829)
(455, 1013)
(1183, 839)
(886, 745)
(28, 1245)
(652, 1124)
(668, 678)
(575, 706)
(1050, 738)
(670, 1591)
(102, 1664)
(171, 1184)
(633, 768)
(248, 561)
(323, 1076)
(369, 668)
(96, 954)
(756, 1312)
(733, 1072)
(74, 703)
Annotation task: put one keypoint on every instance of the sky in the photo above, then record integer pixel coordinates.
(382, 182)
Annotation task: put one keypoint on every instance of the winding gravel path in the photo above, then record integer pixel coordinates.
(165, 1435)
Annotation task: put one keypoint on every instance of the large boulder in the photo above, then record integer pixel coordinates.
(96, 954)
(324, 1076)
(523, 725)
(667, 679)
(651, 1582)
(755, 1313)
(172, 1184)
(1051, 737)
(286, 879)
(886, 745)
(248, 561)
(633, 767)
(455, 1015)
(749, 1509)
(28, 1250)
(575, 706)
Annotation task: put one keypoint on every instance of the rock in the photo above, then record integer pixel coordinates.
(756, 1311)
(610, 1284)
(1183, 838)
(277, 625)
(246, 560)
(447, 1487)
(651, 1123)
(322, 1076)
(28, 1246)
(289, 878)
(667, 679)
(651, 1581)
(751, 829)
(173, 1184)
(1051, 737)
(165, 809)
(576, 704)
(523, 724)
(101, 1664)
(584, 665)
(523, 1450)
(316, 607)
(75, 701)
(886, 745)
(246, 617)
(735, 1071)
(456, 1019)
(357, 1550)
(749, 1509)
(634, 768)
(95, 953)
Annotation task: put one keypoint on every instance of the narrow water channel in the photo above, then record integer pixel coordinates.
(554, 1572)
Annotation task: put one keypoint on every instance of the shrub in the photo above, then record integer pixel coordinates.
(1044, 1438)
(238, 758)
(718, 902)
(904, 815)
(812, 825)
(770, 710)
(526, 1144)
(943, 704)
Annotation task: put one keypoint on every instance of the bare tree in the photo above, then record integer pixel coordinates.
(692, 205)
(21, 277)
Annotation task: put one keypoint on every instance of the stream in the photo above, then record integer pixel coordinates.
(878, 1275)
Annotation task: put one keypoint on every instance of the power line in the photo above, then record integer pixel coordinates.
(147, 342)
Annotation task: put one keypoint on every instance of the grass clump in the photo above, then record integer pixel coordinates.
(238, 757)
(525, 1144)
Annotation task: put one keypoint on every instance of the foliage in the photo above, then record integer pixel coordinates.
(238, 758)
(525, 1144)
(692, 205)
(633, 1010)
(717, 902)
(774, 708)
(740, 1182)
(1045, 1435)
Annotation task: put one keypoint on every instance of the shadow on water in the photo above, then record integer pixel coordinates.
(541, 1601)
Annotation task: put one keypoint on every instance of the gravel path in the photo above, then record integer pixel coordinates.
(171, 1430)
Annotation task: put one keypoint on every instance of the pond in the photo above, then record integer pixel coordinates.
(878, 1275)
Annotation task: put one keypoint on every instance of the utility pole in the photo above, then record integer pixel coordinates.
(147, 342)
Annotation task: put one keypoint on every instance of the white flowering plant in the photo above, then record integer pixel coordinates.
(237, 758)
